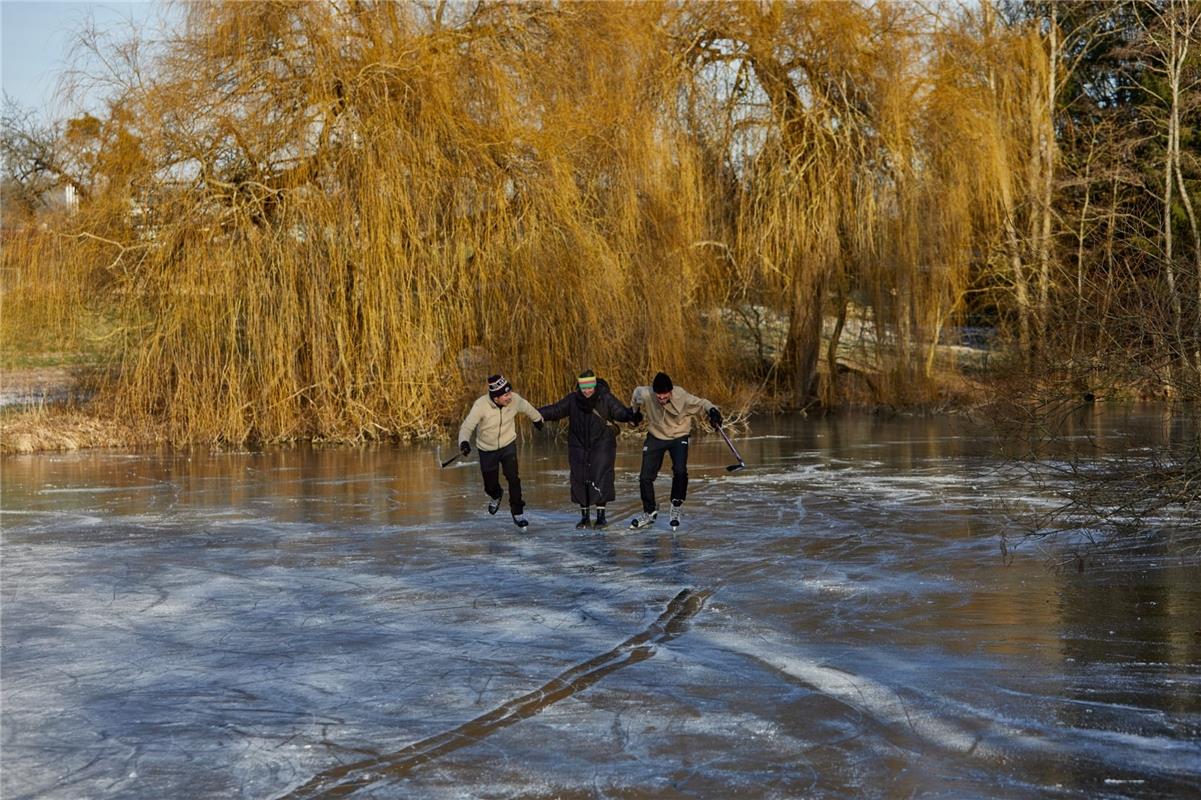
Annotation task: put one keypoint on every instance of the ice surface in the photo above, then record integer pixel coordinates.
(301, 621)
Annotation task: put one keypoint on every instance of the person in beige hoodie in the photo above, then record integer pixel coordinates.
(668, 411)
(493, 421)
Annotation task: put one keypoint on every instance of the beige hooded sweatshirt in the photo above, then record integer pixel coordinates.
(673, 420)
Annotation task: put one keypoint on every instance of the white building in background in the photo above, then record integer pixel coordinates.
(62, 196)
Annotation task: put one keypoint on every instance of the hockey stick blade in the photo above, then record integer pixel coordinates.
(740, 464)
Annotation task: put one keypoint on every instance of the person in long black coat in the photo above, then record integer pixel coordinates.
(591, 411)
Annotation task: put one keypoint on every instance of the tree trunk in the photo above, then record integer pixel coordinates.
(1021, 290)
(1175, 77)
(832, 348)
(1170, 158)
(803, 347)
(1192, 220)
(1080, 237)
(1046, 149)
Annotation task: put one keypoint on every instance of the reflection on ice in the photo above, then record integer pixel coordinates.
(304, 622)
(375, 769)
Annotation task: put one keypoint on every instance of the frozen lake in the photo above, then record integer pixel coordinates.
(837, 620)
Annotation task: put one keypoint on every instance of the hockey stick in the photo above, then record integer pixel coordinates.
(448, 461)
(740, 464)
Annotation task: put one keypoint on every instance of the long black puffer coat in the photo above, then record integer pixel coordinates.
(591, 441)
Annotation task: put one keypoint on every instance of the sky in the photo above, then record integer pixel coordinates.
(36, 39)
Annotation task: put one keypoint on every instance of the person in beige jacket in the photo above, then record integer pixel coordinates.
(493, 420)
(668, 411)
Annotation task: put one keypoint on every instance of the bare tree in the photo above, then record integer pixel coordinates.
(36, 157)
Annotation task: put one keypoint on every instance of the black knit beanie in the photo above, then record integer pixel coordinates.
(662, 383)
(497, 385)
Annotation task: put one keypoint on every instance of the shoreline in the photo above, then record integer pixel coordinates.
(37, 415)
(42, 411)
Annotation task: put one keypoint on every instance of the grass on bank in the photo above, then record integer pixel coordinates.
(49, 428)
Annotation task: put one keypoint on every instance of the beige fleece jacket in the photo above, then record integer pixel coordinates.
(494, 426)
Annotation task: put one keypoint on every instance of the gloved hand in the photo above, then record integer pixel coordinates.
(464, 448)
(715, 417)
(538, 425)
(637, 418)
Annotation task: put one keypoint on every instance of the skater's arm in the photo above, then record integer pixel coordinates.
(557, 410)
(695, 405)
(617, 411)
(690, 403)
(467, 429)
(641, 393)
(524, 407)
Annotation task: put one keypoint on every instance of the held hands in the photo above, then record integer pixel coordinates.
(538, 425)
(715, 417)
(464, 448)
(636, 419)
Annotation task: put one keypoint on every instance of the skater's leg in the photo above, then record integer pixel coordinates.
(508, 463)
(652, 461)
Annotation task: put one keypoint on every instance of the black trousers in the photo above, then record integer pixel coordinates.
(652, 460)
(491, 463)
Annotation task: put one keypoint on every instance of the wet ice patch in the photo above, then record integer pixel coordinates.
(876, 699)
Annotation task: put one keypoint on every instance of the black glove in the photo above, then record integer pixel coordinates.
(715, 417)
(538, 425)
(464, 448)
(637, 418)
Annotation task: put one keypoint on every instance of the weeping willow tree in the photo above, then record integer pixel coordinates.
(863, 182)
(992, 90)
(367, 208)
(334, 219)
